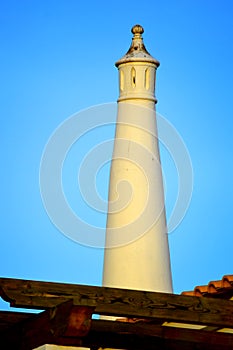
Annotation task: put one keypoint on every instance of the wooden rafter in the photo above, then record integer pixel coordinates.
(52, 326)
(69, 308)
(121, 302)
(66, 321)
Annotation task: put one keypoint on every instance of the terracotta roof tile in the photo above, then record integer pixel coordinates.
(228, 281)
(222, 288)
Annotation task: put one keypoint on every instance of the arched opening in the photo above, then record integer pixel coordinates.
(147, 79)
(133, 77)
(122, 80)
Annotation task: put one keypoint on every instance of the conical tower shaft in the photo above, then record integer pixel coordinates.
(137, 251)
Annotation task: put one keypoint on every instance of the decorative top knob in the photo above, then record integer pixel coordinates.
(137, 51)
(137, 29)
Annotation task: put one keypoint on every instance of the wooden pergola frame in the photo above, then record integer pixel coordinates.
(144, 318)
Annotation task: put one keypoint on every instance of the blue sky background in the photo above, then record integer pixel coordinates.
(57, 57)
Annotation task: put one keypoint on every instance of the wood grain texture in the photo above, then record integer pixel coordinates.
(121, 302)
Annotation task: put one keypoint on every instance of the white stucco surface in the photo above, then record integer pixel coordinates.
(137, 253)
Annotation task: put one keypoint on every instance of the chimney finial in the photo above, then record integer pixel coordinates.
(137, 50)
(137, 30)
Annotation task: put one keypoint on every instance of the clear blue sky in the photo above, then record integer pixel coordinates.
(57, 57)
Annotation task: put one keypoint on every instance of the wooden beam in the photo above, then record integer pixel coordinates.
(121, 302)
(42, 328)
(66, 321)
(149, 329)
(143, 335)
(9, 318)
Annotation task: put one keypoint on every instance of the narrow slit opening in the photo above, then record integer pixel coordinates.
(133, 77)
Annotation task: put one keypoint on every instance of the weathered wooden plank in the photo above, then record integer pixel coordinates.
(122, 302)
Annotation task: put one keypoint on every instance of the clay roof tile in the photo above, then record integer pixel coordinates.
(221, 288)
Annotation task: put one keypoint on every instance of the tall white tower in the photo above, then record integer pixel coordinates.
(136, 253)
